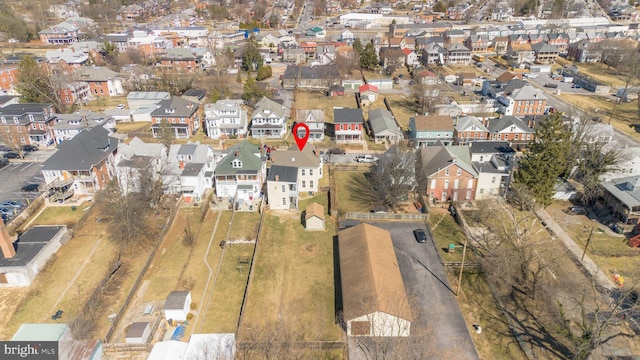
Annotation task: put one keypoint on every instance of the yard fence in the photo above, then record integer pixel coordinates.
(136, 284)
(298, 345)
(114, 348)
(381, 216)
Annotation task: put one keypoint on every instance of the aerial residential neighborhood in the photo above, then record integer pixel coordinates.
(320, 179)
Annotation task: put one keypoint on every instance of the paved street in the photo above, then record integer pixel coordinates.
(436, 309)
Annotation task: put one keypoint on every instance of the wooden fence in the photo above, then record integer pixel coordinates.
(380, 216)
(114, 348)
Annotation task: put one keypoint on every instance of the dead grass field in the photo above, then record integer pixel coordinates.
(446, 231)
(293, 284)
(56, 215)
(346, 181)
(126, 127)
(602, 73)
(625, 118)
(314, 100)
(609, 252)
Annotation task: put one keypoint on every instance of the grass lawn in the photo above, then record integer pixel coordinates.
(479, 307)
(446, 231)
(316, 100)
(293, 284)
(126, 127)
(245, 226)
(60, 215)
(456, 69)
(346, 182)
(625, 118)
(611, 253)
(602, 73)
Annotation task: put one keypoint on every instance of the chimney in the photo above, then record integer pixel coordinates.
(293, 159)
(5, 242)
(277, 177)
(485, 122)
(181, 164)
(237, 153)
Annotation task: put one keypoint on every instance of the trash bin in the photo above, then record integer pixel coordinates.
(74, 208)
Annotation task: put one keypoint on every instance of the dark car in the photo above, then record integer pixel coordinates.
(5, 218)
(3, 162)
(337, 151)
(551, 85)
(29, 148)
(11, 155)
(57, 315)
(31, 187)
(5, 148)
(421, 237)
(578, 210)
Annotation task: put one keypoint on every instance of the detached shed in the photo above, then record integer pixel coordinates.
(314, 217)
(177, 305)
(138, 333)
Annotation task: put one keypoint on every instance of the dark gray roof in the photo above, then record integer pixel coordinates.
(196, 93)
(490, 147)
(497, 125)
(175, 300)
(30, 244)
(83, 151)
(180, 107)
(6, 98)
(187, 149)
(136, 329)
(192, 169)
(311, 72)
(21, 109)
(347, 115)
(284, 174)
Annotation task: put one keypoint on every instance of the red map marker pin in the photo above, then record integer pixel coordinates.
(301, 141)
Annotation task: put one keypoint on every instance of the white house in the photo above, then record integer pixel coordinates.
(372, 305)
(189, 170)
(143, 99)
(384, 127)
(135, 156)
(224, 119)
(493, 160)
(315, 121)
(240, 173)
(308, 162)
(177, 305)
(67, 126)
(268, 119)
(138, 333)
(629, 165)
(314, 217)
(282, 187)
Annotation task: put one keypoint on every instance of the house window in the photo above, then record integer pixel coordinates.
(15, 120)
(446, 172)
(302, 172)
(459, 172)
(446, 184)
(304, 184)
(20, 129)
(515, 137)
(311, 172)
(236, 164)
(284, 201)
(493, 180)
(283, 188)
(311, 183)
(4, 120)
(433, 185)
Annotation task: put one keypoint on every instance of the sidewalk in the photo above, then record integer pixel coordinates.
(600, 277)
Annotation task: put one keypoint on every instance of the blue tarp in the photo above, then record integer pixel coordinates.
(178, 333)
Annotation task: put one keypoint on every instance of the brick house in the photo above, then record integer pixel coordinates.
(27, 124)
(525, 100)
(183, 116)
(180, 59)
(468, 129)
(477, 43)
(446, 173)
(8, 76)
(511, 129)
(72, 92)
(348, 125)
(392, 56)
(102, 81)
(560, 41)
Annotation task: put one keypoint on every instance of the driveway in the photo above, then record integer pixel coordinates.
(14, 176)
(436, 310)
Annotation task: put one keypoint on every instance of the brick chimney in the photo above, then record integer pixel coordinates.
(181, 164)
(5, 242)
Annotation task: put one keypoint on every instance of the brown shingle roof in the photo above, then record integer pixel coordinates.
(506, 76)
(314, 209)
(369, 273)
(434, 122)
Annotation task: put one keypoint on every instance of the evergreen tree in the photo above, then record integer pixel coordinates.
(251, 58)
(545, 159)
(251, 91)
(264, 72)
(357, 46)
(166, 133)
(368, 57)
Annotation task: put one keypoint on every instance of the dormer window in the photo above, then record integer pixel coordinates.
(30, 117)
(169, 111)
(15, 120)
(4, 120)
(236, 164)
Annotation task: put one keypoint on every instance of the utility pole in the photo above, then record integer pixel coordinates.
(464, 253)
(587, 244)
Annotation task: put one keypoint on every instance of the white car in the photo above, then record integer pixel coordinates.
(120, 107)
(366, 158)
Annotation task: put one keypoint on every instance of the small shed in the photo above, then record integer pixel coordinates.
(368, 93)
(314, 217)
(138, 333)
(336, 90)
(177, 305)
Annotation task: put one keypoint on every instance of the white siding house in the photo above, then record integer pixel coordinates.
(177, 305)
(224, 119)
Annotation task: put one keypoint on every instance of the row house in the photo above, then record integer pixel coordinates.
(477, 43)
(239, 175)
(72, 92)
(136, 159)
(180, 60)
(348, 125)
(225, 119)
(282, 187)
(545, 53)
(66, 126)
(314, 119)
(148, 44)
(268, 119)
(526, 100)
(82, 165)
(292, 53)
(511, 129)
(560, 41)
(66, 59)
(536, 38)
(446, 173)
(493, 162)
(182, 115)
(454, 37)
(309, 48)
(468, 129)
(518, 39)
(27, 124)
(428, 130)
(501, 44)
(102, 81)
(301, 170)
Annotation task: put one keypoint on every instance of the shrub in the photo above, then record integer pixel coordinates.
(264, 72)
(192, 306)
(189, 316)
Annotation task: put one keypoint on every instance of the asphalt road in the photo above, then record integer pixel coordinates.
(425, 281)
(14, 176)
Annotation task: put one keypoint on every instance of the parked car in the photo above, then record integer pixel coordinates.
(6, 210)
(30, 187)
(11, 155)
(120, 107)
(551, 85)
(57, 315)
(11, 203)
(29, 148)
(575, 86)
(3, 162)
(5, 148)
(337, 151)
(366, 158)
(578, 210)
(420, 235)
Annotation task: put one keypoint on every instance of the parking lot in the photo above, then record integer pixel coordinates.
(435, 307)
(14, 176)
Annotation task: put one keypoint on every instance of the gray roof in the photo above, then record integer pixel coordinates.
(381, 120)
(82, 152)
(283, 173)
(175, 300)
(266, 108)
(22, 109)
(308, 116)
(311, 72)
(497, 125)
(30, 244)
(528, 92)
(466, 122)
(438, 157)
(544, 47)
(192, 169)
(490, 147)
(175, 107)
(95, 73)
(136, 329)
(347, 115)
(148, 95)
(178, 54)
(626, 190)
(307, 158)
